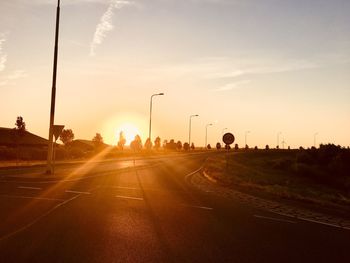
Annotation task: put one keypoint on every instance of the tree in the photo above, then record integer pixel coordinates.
(179, 145)
(165, 143)
(209, 146)
(267, 147)
(218, 146)
(186, 146)
(256, 148)
(121, 141)
(236, 147)
(157, 143)
(148, 144)
(246, 147)
(97, 140)
(20, 129)
(136, 144)
(171, 145)
(67, 136)
(192, 146)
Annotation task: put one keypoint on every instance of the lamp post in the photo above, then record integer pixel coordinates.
(245, 137)
(315, 135)
(150, 115)
(206, 133)
(190, 128)
(278, 139)
(53, 94)
(222, 134)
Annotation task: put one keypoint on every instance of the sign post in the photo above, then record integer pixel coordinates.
(228, 139)
(57, 130)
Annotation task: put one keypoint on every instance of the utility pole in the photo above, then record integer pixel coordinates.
(53, 94)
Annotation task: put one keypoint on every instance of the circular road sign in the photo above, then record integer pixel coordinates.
(228, 138)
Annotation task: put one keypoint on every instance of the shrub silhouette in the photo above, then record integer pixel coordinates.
(218, 146)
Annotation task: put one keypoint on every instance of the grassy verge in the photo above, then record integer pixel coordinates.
(280, 173)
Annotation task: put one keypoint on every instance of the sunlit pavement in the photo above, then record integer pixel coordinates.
(148, 211)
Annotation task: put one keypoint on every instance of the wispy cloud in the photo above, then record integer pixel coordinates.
(3, 56)
(233, 85)
(10, 79)
(105, 25)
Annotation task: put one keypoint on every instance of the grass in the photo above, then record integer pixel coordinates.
(278, 173)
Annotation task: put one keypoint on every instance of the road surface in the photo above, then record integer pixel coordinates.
(149, 211)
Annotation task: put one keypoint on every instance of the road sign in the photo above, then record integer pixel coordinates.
(57, 129)
(228, 138)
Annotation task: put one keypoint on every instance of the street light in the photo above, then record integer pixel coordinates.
(206, 133)
(150, 115)
(53, 94)
(190, 127)
(222, 134)
(278, 139)
(315, 139)
(245, 137)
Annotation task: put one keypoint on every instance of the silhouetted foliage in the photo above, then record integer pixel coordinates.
(236, 147)
(209, 146)
(256, 148)
(227, 147)
(20, 126)
(136, 144)
(277, 147)
(246, 147)
(179, 145)
(165, 142)
(186, 146)
(121, 141)
(157, 143)
(301, 148)
(218, 145)
(267, 147)
(66, 136)
(171, 145)
(192, 146)
(97, 140)
(148, 144)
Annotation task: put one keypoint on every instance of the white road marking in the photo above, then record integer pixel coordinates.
(275, 219)
(29, 188)
(124, 187)
(32, 197)
(77, 192)
(129, 197)
(200, 207)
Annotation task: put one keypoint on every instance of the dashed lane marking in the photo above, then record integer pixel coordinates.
(78, 192)
(29, 188)
(200, 207)
(129, 197)
(32, 197)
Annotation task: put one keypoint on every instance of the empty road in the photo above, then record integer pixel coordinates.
(149, 211)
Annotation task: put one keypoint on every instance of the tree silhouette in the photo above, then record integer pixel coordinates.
(20, 129)
(236, 147)
(136, 144)
(186, 146)
(209, 146)
(67, 136)
(148, 144)
(97, 140)
(192, 146)
(179, 145)
(157, 143)
(267, 147)
(218, 145)
(121, 141)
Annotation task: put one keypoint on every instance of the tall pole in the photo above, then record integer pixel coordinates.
(53, 93)
(278, 139)
(245, 138)
(190, 129)
(222, 133)
(150, 116)
(206, 134)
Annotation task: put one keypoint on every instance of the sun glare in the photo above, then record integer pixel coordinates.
(129, 130)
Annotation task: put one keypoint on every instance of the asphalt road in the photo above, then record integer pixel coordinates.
(148, 211)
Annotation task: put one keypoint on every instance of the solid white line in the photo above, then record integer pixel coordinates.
(29, 188)
(275, 219)
(77, 192)
(31, 197)
(200, 207)
(129, 197)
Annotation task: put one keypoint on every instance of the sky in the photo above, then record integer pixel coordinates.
(246, 65)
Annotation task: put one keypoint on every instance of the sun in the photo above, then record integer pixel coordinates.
(129, 130)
